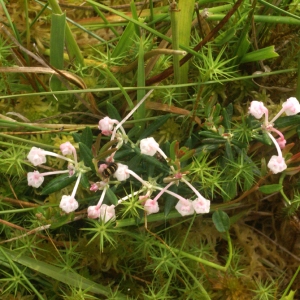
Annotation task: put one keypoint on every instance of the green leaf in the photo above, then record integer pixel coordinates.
(86, 155)
(112, 112)
(57, 45)
(173, 150)
(229, 190)
(210, 134)
(287, 121)
(76, 136)
(84, 181)
(125, 42)
(188, 154)
(227, 115)
(154, 126)
(87, 137)
(225, 36)
(58, 183)
(221, 220)
(170, 200)
(110, 195)
(261, 54)
(59, 274)
(270, 188)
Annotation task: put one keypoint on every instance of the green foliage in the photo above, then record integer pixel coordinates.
(108, 60)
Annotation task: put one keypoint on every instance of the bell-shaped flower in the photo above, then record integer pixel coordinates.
(107, 212)
(201, 205)
(151, 206)
(93, 212)
(277, 164)
(149, 146)
(106, 125)
(67, 148)
(291, 106)
(185, 207)
(35, 179)
(257, 109)
(37, 156)
(68, 203)
(121, 173)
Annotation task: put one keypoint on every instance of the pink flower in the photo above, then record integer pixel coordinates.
(277, 164)
(67, 148)
(291, 106)
(149, 146)
(68, 204)
(281, 142)
(35, 179)
(107, 212)
(36, 156)
(201, 205)
(121, 173)
(106, 125)
(93, 212)
(185, 207)
(151, 206)
(257, 109)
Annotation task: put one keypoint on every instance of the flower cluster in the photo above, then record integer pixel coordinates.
(121, 172)
(37, 156)
(148, 146)
(257, 109)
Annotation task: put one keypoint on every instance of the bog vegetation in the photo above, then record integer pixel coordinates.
(149, 150)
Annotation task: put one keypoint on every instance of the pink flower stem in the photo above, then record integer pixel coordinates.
(192, 188)
(276, 144)
(58, 156)
(266, 116)
(278, 132)
(172, 194)
(54, 172)
(145, 183)
(278, 115)
(162, 191)
(130, 114)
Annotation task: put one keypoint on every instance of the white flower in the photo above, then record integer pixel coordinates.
(106, 125)
(185, 207)
(291, 106)
(36, 156)
(67, 148)
(107, 212)
(93, 212)
(35, 179)
(201, 205)
(277, 164)
(68, 204)
(257, 109)
(151, 206)
(149, 146)
(121, 173)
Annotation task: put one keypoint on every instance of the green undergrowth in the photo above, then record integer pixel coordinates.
(192, 68)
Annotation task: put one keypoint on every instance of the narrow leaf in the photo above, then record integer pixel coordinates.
(270, 188)
(58, 183)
